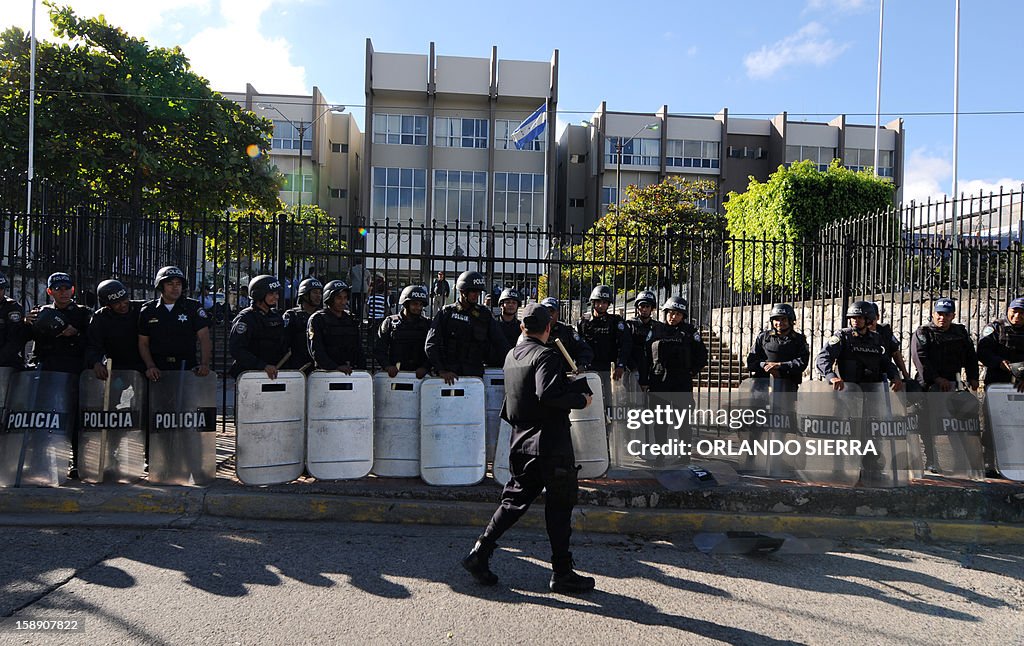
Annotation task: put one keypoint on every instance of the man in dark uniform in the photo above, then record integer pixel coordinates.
(538, 397)
(509, 302)
(258, 339)
(59, 329)
(334, 340)
(892, 344)
(606, 334)
(114, 331)
(570, 338)
(1001, 350)
(296, 320)
(464, 336)
(12, 329)
(402, 336)
(780, 352)
(856, 354)
(642, 328)
(169, 327)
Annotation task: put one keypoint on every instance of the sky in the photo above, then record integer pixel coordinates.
(814, 59)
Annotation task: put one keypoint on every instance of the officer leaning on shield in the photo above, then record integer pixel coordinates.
(258, 339)
(170, 326)
(401, 338)
(333, 332)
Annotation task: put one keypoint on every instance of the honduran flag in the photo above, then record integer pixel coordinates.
(530, 128)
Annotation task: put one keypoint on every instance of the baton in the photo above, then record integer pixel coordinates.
(106, 407)
(286, 357)
(565, 353)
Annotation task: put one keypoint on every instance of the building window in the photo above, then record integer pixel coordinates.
(688, 153)
(519, 199)
(339, 148)
(404, 129)
(399, 194)
(575, 202)
(503, 129)
(455, 132)
(820, 155)
(858, 159)
(286, 137)
(609, 195)
(635, 152)
(339, 193)
(291, 182)
(577, 158)
(460, 196)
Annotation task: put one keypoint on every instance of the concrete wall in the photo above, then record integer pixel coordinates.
(406, 72)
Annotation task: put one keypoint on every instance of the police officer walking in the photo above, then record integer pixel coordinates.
(258, 338)
(169, 327)
(12, 329)
(114, 331)
(570, 338)
(334, 339)
(606, 334)
(857, 355)
(311, 292)
(538, 397)
(59, 329)
(464, 336)
(402, 336)
(1001, 351)
(642, 328)
(509, 302)
(780, 352)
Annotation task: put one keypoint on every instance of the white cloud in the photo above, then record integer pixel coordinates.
(691, 51)
(836, 5)
(138, 18)
(931, 176)
(811, 45)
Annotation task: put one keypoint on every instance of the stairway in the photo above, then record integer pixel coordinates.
(725, 369)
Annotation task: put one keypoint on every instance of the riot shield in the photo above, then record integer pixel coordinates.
(396, 425)
(1003, 408)
(828, 443)
(339, 425)
(270, 427)
(494, 395)
(112, 427)
(768, 411)
(6, 375)
(500, 466)
(886, 428)
(952, 434)
(183, 428)
(35, 447)
(589, 437)
(452, 432)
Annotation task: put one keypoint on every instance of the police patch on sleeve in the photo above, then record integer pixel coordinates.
(696, 337)
(922, 338)
(622, 326)
(576, 336)
(287, 321)
(202, 313)
(834, 340)
(987, 331)
(15, 316)
(241, 327)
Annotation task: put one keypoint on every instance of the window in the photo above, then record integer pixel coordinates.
(577, 158)
(399, 194)
(404, 129)
(503, 129)
(575, 202)
(286, 137)
(455, 132)
(339, 148)
(519, 199)
(609, 195)
(858, 159)
(291, 182)
(687, 153)
(339, 193)
(821, 155)
(460, 196)
(635, 152)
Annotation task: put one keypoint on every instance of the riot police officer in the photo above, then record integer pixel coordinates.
(941, 349)
(780, 352)
(334, 339)
(1001, 351)
(889, 339)
(114, 331)
(464, 336)
(570, 338)
(59, 329)
(169, 327)
(642, 328)
(402, 336)
(12, 329)
(258, 338)
(311, 292)
(678, 353)
(509, 303)
(606, 334)
(538, 397)
(856, 354)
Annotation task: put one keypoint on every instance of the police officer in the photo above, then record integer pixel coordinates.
(941, 349)
(509, 303)
(258, 338)
(780, 352)
(12, 329)
(570, 338)
(464, 336)
(169, 327)
(888, 337)
(606, 334)
(114, 331)
(538, 397)
(402, 336)
(334, 339)
(59, 329)
(642, 328)
(311, 292)
(1001, 351)
(856, 354)
(678, 353)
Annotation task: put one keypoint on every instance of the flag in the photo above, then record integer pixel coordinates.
(530, 128)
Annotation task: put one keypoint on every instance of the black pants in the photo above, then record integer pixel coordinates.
(531, 474)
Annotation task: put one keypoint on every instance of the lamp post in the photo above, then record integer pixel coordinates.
(620, 144)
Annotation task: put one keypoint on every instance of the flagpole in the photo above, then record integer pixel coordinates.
(31, 115)
(878, 86)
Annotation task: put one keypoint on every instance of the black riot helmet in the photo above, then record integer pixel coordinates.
(4, 283)
(308, 285)
(646, 297)
(602, 293)
(780, 310)
(414, 293)
(471, 281)
(334, 288)
(167, 273)
(864, 309)
(262, 285)
(510, 293)
(50, 322)
(675, 304)
(110, 291)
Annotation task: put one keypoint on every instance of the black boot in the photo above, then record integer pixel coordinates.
(477, 563)
(565, 579)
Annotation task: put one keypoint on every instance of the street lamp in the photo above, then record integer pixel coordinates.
(620, 144)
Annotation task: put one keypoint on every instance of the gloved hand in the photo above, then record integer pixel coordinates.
(1017, 370)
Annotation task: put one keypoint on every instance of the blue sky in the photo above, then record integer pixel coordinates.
(812, 58)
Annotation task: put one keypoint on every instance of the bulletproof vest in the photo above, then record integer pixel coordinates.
(863, 359)
(779, 348)
(947, 350)
(467, 343)
(643, 334)
(266, 337)
(341, 336)
(407, 338)
(1012, 339)
(298, 319)
(119, 334)
(64, 353)
(672, 357)
(510, 329)
(602, 335)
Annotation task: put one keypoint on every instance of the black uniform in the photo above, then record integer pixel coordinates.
(334, 340)
(856, 358)
(173, 333)
(401, 340)
(788, 350)
(538, 397)
(677, 355)
(463, 340)
(12, 334)
(257, 339)
(942, 354)
(574, 344)
(62, 353)
(608, 337)
(1000, 342)
(115, 336)
(511, 330)
(296, 322)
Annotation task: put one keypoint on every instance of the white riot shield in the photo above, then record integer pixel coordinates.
(952, 434)
(270, 427)
(35, 447)
(589, 437)
(396, 425)
(112, 427)
(183, 428)
(500, 468)
(772, 406)
(6, 375)
(886, 427)
(452, 432)
(827, 420)
(494, 395)
(339, 426)
(1004, 408)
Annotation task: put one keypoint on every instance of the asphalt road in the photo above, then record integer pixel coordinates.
(240, 582)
